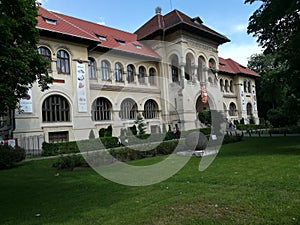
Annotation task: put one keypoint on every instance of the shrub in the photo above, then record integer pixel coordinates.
(70, 162)
(242, 121)
(50, 149)
(9, 156)
(133, 130)
(108, 131)
(205, 117)
(232, 139)
(205, 131)
(102, 132)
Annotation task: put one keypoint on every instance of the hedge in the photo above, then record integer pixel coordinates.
(122, 154)
(50, 149)
(9, 156)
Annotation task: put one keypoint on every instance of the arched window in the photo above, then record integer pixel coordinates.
(142, 75)
(232, 109)
(188, 68)
(222, 85)
(245, 86)
(231, 86)
(201, 66)
(128, 109)
(56, 108)
(92, 69)
(152, 74)
(118, 72)
(249, 87)
(105, 70)
(63, 62)
(226, 86)
(130, 73)
(174, 70)
(150, 110)
(101, 109)
(249, 109)
(45, 52)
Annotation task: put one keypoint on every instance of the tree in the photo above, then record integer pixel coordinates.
(20, 63)
(141, 126)
(272, 87)
(276, 24)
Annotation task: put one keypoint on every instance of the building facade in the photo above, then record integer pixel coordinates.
(168, 71)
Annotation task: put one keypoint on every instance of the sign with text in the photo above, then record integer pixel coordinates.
(81, 87)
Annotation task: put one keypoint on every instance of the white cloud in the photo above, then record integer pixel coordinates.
(101, 22)
(239, 28)
(239, 52)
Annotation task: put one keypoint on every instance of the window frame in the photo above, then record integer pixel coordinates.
(56, 108)
(101, 109)
(92, 68)
(118, 72)
(41, 51)
(150, 109)
(63, 62)
(105, 70)
(128, 109)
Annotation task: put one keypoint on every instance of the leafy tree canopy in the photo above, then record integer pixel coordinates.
(20, 63)
(276, 24)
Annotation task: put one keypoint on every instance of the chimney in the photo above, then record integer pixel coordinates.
(158, 10)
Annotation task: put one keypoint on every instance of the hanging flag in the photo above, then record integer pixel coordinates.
(203, 93)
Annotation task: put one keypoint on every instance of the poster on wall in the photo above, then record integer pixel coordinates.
(81, 87)
(26, 102)
(243, 104)
(204, 93)
(254, 100)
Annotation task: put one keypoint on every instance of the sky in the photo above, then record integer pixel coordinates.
(228, 17)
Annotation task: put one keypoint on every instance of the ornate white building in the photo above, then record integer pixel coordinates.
(104, 76)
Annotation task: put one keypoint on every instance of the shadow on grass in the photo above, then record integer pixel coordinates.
(262, 146)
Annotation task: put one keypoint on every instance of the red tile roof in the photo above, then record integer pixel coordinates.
(115, 39)
(173, 19)
(232, 67)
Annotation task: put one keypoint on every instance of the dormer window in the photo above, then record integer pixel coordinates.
(50, 21)
(122, 42)
(197, 20)
(101, 37)
(137, 46)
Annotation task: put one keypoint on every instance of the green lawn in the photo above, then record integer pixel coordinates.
(256, 181)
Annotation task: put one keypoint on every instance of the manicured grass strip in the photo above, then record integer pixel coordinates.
(256, 181)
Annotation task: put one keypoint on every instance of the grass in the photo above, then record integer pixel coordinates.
(256, 181)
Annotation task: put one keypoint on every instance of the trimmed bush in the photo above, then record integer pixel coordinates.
(9, 156)
(232, 139)
(70, 162)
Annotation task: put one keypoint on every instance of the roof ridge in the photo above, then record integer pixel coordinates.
(91, 22)
(86, 32)
(177, 12)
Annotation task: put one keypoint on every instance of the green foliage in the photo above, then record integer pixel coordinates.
(20, 63)
(9, 156)
(133, 130)
(101, 132)
(70, 162)
(242, 121)
(50, 149)
(232, 139)
(205, 131)
(285, 130)
(205, 117)
(141, 126)
(105, 132)
(276, 24)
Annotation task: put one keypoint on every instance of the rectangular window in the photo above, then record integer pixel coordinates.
(56, 137)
